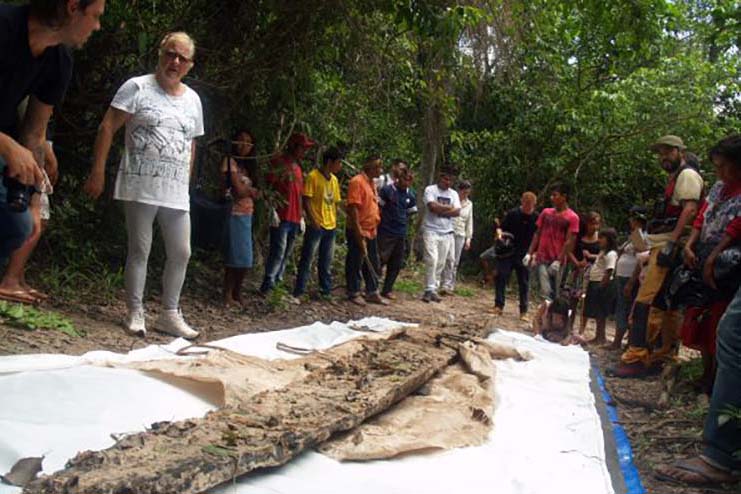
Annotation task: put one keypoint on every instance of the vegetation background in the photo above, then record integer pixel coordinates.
(517, 93)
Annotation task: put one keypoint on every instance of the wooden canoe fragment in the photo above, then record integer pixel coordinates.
(268, 430)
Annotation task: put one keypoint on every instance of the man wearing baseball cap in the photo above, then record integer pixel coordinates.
(286, 180)
(655, 333)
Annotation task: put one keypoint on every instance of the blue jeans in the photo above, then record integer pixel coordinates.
(548, 284)
(281, 245)
(723, 442)
(623, 304)
(355, 266)
(316, 238)
(504, 270)
(14, 227)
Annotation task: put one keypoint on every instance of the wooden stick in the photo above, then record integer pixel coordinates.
(271, 428)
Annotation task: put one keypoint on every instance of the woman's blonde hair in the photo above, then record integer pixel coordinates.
(181, 36)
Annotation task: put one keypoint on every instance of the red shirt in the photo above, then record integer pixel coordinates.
(287, 179)
(554, 228)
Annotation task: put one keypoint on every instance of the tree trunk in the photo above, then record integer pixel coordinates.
(433, 134)
(192, 456)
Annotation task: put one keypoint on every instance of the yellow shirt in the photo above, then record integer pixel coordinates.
(323, 197)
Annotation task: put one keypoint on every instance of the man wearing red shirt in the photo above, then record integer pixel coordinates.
(285, 178)
(554, 238)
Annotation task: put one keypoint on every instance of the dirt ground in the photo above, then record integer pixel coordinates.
(657, 435)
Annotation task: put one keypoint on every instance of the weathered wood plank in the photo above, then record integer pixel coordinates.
(270, 429)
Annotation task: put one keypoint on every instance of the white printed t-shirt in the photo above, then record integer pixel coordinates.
(155, 167)
(433, 222)
(604, 262)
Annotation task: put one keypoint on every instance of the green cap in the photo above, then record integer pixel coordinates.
(671, 141)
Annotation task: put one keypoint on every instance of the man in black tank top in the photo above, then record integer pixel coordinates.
(35, 62)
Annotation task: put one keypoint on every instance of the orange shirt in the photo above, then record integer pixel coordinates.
(362, 193)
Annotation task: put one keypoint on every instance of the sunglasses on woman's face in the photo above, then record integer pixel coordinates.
(172, 56)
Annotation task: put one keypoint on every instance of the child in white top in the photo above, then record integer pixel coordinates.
(600, 301)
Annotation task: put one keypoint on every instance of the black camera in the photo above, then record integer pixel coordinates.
(18, 195)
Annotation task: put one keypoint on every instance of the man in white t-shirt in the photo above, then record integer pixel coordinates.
(442, 204)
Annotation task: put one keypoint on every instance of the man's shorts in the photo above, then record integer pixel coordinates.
(14, 227)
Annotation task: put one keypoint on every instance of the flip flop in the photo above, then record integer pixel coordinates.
(702, 477)
(37, 294)
(18, 296)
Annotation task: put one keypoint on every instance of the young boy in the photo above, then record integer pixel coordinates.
(552, 321)
(321, 199)
(626, 274)
(442, 204)
(398, 202)
(553, 241)
(363, 218)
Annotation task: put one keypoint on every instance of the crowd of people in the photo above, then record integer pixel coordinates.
(673, 280)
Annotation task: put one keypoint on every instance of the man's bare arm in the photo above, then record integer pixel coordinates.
(439, 209)
(689, 211)
(568, 247)
(534, 242)
(20, 162)
(33, 129)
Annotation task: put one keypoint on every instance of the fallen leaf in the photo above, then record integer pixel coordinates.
(23, 472)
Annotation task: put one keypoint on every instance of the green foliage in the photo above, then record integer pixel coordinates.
(408, 286)
(278, 298)
(464, 292)
(31, 319)
(691, 371)
(517, 93)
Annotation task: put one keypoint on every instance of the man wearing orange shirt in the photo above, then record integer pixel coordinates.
(363, 217)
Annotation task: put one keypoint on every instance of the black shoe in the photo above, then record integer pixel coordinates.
(427, 297)
(435, 297)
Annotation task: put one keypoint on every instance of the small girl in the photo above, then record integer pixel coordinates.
(584, 254)
(600, 301)
(239, 170)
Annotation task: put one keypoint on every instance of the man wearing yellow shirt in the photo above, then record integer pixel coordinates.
(321, 198)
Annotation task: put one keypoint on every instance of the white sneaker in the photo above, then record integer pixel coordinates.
(135, 324)
(172, 322)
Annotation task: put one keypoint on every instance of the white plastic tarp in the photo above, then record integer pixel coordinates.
(547, 435)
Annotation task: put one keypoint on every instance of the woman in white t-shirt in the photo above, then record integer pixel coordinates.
(600, 301)
(163, 117)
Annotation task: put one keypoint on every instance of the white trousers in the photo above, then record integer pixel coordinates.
(175, 228)
(450, 272)
(438, 247)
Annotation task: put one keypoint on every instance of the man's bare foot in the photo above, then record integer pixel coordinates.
(694, 472)
(15, 292)
(37, 294)
(597, 341)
